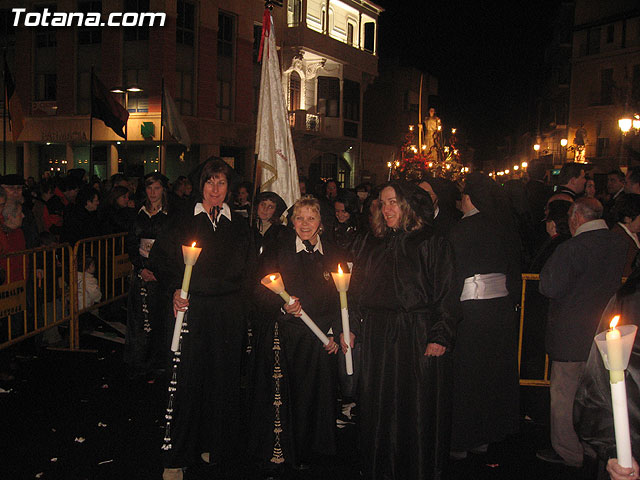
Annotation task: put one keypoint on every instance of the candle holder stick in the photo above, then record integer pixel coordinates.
(274, 283)
(190, 255)
(615, 346)
(342, 281)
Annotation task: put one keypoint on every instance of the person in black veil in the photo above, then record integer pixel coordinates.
(404, 306)
(203, 416)
(145, 337)
(269, 207)
(592, 409)
(487, 259)
(294, 419)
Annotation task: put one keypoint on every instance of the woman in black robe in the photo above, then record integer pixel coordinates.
(487, 259)
(592, 408)
(269, 208)
(203, 417)
(294, 417)
(145, 338)
(403, 305)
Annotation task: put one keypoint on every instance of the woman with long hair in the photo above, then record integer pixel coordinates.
(145, 336)
(403, 306)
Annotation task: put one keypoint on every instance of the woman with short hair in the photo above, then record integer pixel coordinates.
(203, 418)
(302, 425)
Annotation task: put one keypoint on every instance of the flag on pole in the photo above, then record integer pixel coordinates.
(172, 120)
(14, 109)
(105, 107)
(274, 147)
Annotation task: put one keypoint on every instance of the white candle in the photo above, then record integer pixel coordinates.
(342, 281)
(190, 255)
(616, 361)
(274, 283)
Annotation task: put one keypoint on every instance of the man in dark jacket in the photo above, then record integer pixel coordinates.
(579, 278)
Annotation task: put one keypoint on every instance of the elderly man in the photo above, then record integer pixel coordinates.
(579, 278)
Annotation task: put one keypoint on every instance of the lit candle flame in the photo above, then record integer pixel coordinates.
(339, 270)
(272, 277)
(614, 321)
(193, 244)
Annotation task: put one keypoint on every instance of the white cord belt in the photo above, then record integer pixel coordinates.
(484, 286)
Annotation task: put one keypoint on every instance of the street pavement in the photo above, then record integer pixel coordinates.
(77, 416)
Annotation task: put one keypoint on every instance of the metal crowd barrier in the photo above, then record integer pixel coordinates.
(42, 291)
(532, 323)
(37, 293)
(112, 269)
(41, 287)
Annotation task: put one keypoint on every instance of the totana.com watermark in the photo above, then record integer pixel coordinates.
(90, 19)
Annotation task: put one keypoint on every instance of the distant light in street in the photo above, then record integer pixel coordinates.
(506, 171)
(516, 167)
(625, 124)
(536, 147)
(453, 130)
(564, 142)
(524, 164)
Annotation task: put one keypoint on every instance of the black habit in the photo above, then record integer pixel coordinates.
(204, 408)
(292, 366)
(403, 296)
(486, 389)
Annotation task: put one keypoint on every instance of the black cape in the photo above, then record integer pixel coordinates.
(403, 296)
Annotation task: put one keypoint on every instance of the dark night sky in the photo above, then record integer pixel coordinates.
(487, 56)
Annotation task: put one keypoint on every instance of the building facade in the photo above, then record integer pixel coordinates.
(206, 55)
(605, 82)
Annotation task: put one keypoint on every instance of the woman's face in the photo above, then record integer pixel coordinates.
(390, 209)
(306, 222)
(154, 192)
(122, 201)
(214, 191)
(590, 189)
(266, 209)
(341, 214)
(243, 195)
(92, 205)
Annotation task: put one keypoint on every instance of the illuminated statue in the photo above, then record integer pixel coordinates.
(432, 133)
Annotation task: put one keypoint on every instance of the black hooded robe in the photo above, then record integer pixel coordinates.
(403, 296)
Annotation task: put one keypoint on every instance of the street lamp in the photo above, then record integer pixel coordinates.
(564, 142)
(625, 124)
(536, 147)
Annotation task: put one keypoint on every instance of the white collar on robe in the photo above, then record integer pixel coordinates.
(225, 210)
(301, 248)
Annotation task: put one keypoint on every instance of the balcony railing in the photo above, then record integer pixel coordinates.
(300, 120)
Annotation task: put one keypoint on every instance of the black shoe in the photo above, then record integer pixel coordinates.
(549, 455)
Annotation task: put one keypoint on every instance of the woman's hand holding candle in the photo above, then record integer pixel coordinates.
(179, 304)
(343, 344)
(294, 308)
(331, 347)
(621, 473)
